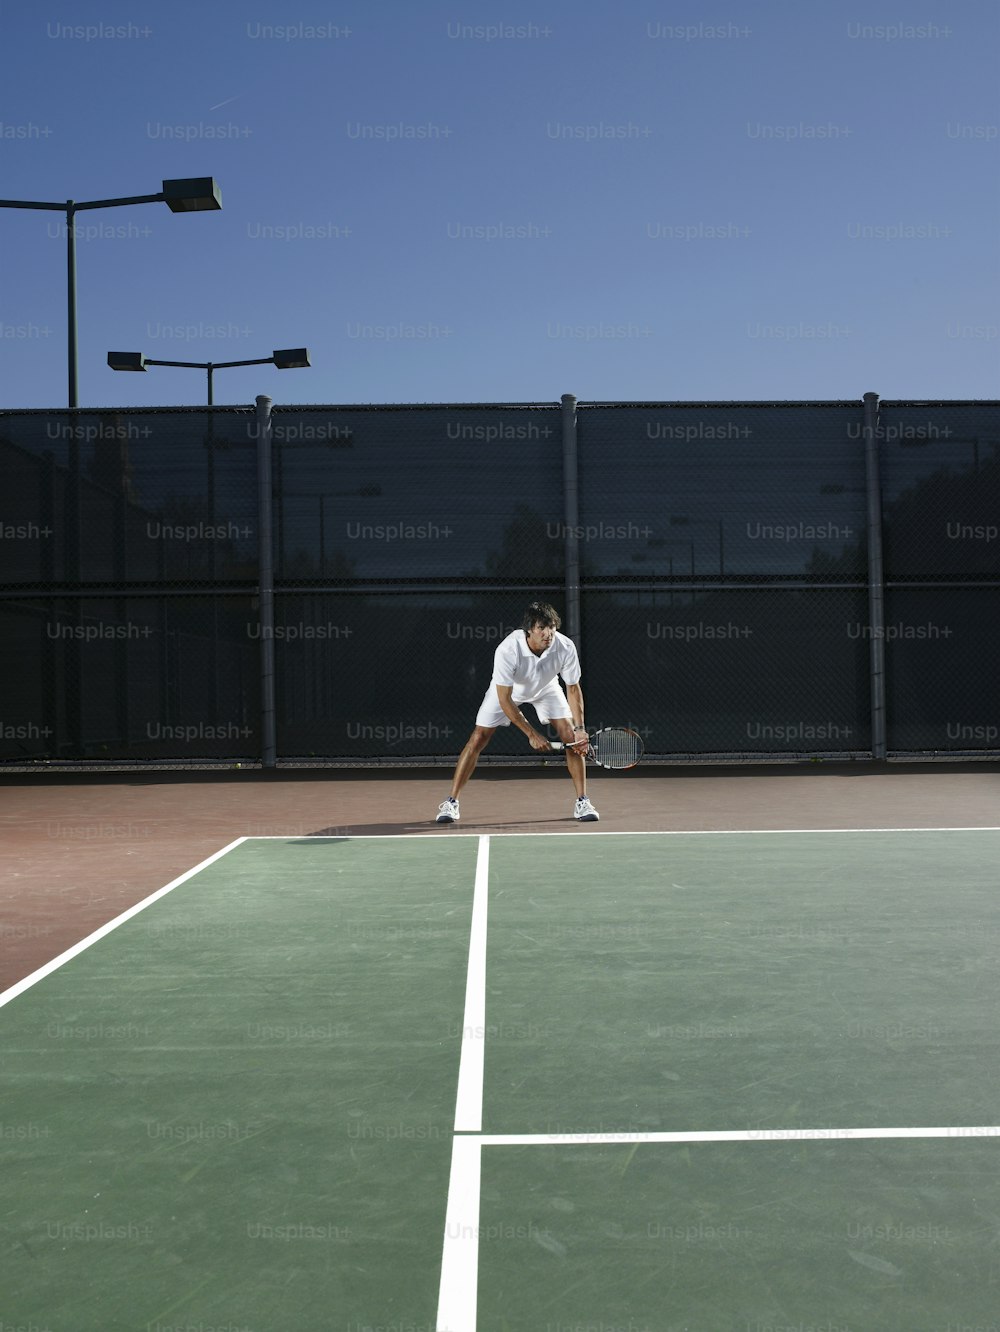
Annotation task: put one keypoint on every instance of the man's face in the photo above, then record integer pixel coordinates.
(540, 637)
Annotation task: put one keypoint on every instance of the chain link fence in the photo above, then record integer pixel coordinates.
(129, 570)
(941, 493)
(745, 580)
(728, 541)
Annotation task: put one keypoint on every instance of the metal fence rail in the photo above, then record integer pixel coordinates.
(328, 583)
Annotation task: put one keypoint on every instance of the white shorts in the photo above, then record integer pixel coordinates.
(548, 705)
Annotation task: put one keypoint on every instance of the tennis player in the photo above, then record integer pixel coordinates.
(526, 669)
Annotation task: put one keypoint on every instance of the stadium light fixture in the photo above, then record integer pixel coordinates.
(126, 360)
(295, 358)
(195, 195)
(198, 195)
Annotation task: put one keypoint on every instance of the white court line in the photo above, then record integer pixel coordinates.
(730, 1135)
(458, 1291)
(46, 970)
(597, 832)
(458, 1294)
(469, 1102)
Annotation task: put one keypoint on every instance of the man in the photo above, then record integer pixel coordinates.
(526, 667)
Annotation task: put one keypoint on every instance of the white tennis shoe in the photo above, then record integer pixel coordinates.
(585, 811)
(448, 811)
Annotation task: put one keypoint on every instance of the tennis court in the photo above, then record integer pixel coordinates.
(482, 1078)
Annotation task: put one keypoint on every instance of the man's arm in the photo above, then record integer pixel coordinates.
(504, 696)
(574, 697)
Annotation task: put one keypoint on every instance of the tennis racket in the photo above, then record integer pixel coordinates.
(612, 747)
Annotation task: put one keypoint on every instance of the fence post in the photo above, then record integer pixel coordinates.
(265, 576)
(571, 517)
(73, 657)
(876, 585)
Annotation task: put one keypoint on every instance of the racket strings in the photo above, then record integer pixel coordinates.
(617, 748)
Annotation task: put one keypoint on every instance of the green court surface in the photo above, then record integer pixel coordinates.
(733, 982)
(746, 1237)
(737, 1082)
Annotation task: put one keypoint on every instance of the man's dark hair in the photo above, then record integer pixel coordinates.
(539, 612)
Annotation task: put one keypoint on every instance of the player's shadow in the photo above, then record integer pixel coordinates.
(429, 826)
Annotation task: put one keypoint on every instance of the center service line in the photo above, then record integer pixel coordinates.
(469, 1102)
(458, 1291)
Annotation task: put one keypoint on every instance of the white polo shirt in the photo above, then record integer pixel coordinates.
(515, 664)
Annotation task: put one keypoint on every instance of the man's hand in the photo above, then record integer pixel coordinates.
(581, 740)
(537, 741)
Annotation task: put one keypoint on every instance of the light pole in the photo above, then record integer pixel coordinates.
(291, 358)
(294, 358)
(196, 195)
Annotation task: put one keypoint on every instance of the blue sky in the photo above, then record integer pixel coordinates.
(462, 203)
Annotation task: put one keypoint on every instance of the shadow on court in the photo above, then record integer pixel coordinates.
(444, 829)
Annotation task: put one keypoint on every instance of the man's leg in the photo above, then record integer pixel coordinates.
(469, 757)
(448, 810)
(575, 761)
(576, 764)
